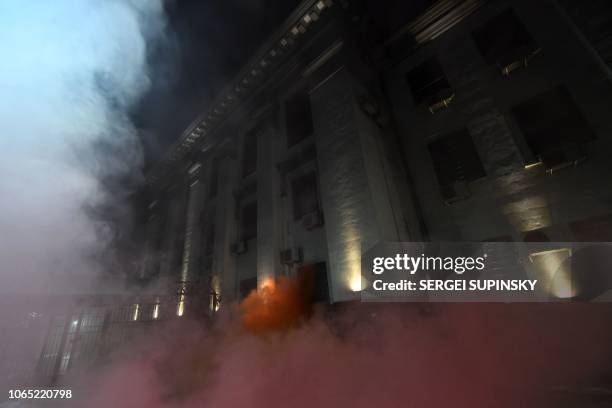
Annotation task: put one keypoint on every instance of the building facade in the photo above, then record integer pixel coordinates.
(360, 122)
(471, 120)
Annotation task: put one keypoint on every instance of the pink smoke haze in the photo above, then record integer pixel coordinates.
(478, 355)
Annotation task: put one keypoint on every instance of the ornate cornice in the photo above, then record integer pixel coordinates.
(261, 67)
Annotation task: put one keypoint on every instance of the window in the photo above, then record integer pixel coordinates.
(455, 159)
(248, 221)
(247, 286)
(314, 277)
(298, 117)
(304, 195)
(553, 126)
(504, 40)
(428, 82)
(249, 153)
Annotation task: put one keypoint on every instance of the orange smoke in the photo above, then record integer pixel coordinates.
(276, 305)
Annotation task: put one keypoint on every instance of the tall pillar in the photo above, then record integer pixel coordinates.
(169, 267)
(192, 242)
(268, 204)
(356, 203)
(224, 266)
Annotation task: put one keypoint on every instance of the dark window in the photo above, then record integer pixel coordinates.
(299, 118)
(214, 178)
(305, 195)
(504, 39)
(455, 158)
(248, 221)
(428, 82)
(249, 153)
(553, 125)
(247, 286)
(314, 278)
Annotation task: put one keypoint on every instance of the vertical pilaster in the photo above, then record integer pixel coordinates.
(349, 204)
(168, 267)
(224, 268)
(192, 247)
(268, 204)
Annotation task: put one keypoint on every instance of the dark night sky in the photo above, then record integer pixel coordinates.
(208, 43)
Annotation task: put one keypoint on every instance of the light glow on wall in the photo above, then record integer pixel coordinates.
(180, 310)
(156, 311)
(556, 270)
(135, 311)
(352, 259)
(355, 283)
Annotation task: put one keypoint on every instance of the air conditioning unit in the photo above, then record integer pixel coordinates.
(291, 256)
(456, 191)
(312, 220)
(239, 247)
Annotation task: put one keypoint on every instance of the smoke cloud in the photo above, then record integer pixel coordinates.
(70, 72)
(464, 355)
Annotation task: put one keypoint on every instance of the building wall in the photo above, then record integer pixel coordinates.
(368, 149)
(510, 200)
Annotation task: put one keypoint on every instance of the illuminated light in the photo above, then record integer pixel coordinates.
(156, 311)
(283, 42)
(74, 323)
(355, 284)
(217, 306)
(557, 272)
(136, 308)
(532, 165)
(320, 5)
(295, 30)
(180, 310)
(267, 283)
(307, 19)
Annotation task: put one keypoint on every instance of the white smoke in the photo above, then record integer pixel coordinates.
(70, 70)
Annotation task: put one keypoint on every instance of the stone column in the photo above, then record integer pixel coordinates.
(192, 242)
(224, 268)
(351, 191)
(174, 214)
(268, 204)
